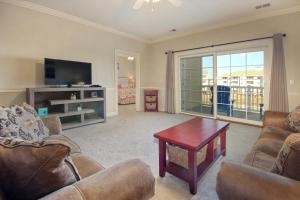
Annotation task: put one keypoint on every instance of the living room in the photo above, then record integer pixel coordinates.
(243, 53)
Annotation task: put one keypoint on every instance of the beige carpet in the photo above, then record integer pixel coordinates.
(130, 135)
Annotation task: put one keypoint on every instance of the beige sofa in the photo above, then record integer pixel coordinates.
(254, 180)
(130, 180)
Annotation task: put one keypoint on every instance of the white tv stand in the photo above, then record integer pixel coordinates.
(59, 103)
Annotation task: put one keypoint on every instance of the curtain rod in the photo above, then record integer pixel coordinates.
(223, 44)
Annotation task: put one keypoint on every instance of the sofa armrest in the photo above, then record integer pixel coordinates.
(244, 182)
(128, 180)
(53, 124)
(276, 119)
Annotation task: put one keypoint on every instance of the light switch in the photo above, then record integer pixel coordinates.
(292, 82)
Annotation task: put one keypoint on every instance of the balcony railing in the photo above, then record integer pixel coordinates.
(244, 98)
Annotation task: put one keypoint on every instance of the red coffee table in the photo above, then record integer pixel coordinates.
(192, 136)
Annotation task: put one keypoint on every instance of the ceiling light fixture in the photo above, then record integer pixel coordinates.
(130, 58)
(139, 3)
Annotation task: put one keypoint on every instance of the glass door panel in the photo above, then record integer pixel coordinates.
(240, 90)
(196, 85)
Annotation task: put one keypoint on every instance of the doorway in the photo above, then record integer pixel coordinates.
(127, 80)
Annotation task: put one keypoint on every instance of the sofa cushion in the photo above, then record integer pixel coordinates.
(288, 160)
(74, 148)
(268, 146)
(272, 132)
(22, 122)
(30, 170)
(260, 160)
(293, 120)
(86, 166)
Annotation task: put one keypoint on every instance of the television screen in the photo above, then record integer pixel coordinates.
(63, 72)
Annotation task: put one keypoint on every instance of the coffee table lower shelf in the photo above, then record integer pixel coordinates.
(194, 173)
(183, 173)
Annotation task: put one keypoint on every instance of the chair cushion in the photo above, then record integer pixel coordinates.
(260, 160)
(293, 120)
(86, 166)
(22, 122)
(30, 170)
(74, 148)
(288, 160)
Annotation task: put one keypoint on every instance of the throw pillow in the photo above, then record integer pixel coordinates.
(22, 122)
(30, 170)
(294, 120)
(288, 160)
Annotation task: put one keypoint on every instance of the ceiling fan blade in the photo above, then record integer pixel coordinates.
(176, 3)
(138, 4)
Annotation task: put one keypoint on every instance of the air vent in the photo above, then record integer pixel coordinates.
(262, 6)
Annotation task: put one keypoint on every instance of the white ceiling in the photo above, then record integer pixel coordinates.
(192, 15)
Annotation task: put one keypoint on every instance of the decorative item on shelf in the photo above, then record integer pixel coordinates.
(43, 112)
(94, 94)
(73, 96)
(79, 108)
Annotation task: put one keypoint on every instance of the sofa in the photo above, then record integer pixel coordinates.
(130, 180)
(255, 178)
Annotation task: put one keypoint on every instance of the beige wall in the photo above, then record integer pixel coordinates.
(27, 37)
(286, 24)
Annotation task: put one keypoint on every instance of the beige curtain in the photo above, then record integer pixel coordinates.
(278, 88)
(170, 83)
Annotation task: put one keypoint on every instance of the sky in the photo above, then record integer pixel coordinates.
(234, 62)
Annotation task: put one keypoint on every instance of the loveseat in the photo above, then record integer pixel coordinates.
(130, 180)
(257, 179)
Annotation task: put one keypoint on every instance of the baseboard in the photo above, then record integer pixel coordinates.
(112, 114)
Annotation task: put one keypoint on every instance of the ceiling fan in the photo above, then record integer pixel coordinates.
(139, 3)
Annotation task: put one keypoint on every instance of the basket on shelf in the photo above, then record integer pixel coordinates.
(179, 156)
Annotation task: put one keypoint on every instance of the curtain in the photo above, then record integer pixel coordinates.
(278, 87)
(170, 84)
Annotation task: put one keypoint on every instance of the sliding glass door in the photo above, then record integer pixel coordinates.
(197, 85)
(240, 78)
(236, 91)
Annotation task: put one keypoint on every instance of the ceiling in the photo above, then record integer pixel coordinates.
(191, 16)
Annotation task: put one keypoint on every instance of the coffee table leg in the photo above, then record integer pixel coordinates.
(223, 142)
(193, 171)
(162, 158)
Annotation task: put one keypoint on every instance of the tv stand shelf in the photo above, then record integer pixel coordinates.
(59, 103)
(73, 113)
(67, 101)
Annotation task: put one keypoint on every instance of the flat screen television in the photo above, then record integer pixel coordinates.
(64, 72)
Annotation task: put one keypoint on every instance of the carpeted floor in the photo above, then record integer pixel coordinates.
(130, 135)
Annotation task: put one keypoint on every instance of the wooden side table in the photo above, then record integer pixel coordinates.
(151, 100)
